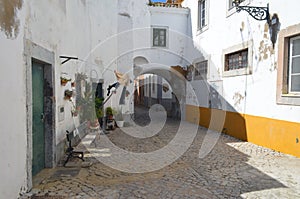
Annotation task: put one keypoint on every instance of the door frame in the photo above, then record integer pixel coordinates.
(36, 53)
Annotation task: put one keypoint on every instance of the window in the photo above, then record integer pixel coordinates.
(294, 65)
(200, 70)
(288, 71)
(202, 14)
(159, 37)
(230, 9)
(230, 6)
(236, 60)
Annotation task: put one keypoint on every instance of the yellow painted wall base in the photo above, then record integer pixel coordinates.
(279, 135)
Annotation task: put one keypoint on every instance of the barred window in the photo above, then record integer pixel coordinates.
(236, 60)
(230, 6)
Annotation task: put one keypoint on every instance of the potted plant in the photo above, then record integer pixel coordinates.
(110, 121)
(68, 94)
(119, 118)
(64, 81)
(109, 112)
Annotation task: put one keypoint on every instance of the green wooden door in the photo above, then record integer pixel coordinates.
(38, 134)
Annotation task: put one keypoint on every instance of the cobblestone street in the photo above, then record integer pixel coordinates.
(233, 169)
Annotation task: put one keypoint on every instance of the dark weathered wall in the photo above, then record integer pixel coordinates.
(9, 22)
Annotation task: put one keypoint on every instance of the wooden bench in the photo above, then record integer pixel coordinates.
(70, 150)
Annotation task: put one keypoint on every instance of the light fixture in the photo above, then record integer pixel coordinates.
(67, 58)
(258, 13)
(261, 13)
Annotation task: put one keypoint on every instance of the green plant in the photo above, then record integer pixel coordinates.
(99, 107)
(108, 111)
(68, 94)
(99, 113)
(98, 102)
(64, 80)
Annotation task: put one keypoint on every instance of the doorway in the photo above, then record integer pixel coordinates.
(38, 117)
(41, 109)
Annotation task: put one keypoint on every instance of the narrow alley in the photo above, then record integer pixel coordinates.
(233, 169)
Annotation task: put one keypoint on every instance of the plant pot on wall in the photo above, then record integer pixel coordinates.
(64, 81)
(68, 94)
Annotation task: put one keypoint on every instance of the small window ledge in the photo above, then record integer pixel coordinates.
(289, 99)
(201, 30)
(237, 72)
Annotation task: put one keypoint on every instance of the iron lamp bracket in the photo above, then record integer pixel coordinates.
(258, 13)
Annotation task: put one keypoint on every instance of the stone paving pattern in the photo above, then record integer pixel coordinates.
(233, 169)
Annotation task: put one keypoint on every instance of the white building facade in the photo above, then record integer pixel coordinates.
(254, 84)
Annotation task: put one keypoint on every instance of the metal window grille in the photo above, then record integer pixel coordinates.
(230, 4)
(236, 60)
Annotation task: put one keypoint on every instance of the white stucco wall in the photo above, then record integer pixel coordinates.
(13, 113)
(135, 22)
(80, 29)
(253, 94)
(77, 28)
(144, 18)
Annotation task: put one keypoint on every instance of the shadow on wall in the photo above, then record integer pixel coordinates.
(234, 123)
(216, 116)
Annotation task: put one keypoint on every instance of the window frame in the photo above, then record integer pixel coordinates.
(240, 61)
(283, 96)
(199, 76)
(238, 48)
(290, 65)
(230, 9)
(166, 36)
(202, 27)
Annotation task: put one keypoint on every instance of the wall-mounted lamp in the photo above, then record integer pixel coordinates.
(67, 58)
(261, 13)
(258, 13)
